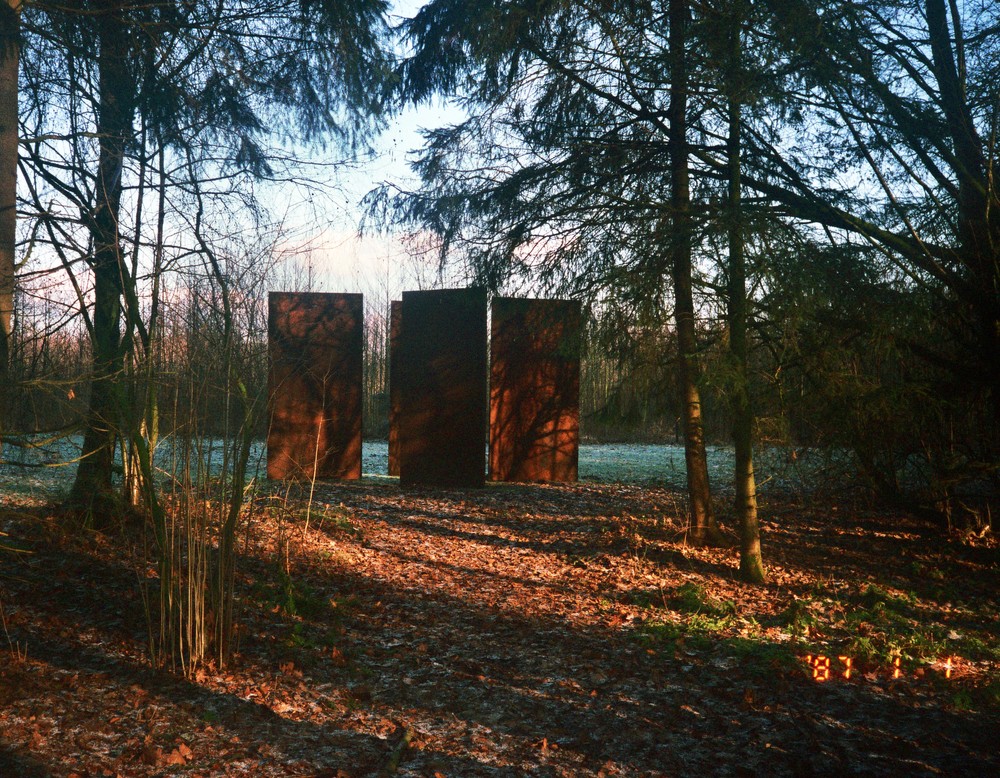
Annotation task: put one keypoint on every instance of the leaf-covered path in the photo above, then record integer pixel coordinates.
(549, 630)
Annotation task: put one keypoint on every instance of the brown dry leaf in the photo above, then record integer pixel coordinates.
(175, 757)
(152, 755)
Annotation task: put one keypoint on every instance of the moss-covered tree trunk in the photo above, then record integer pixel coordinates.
(92, 489)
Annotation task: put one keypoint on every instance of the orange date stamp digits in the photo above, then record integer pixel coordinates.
(823, 668)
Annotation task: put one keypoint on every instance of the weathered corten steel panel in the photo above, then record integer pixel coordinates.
(395, 328)
(314, 385)
(535, 390)
(443, 394)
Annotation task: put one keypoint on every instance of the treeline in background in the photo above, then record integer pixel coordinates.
(829, 371)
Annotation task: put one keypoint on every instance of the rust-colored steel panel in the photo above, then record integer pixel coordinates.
(443, 394)
(395, 328)
(535, 390)
(315, 342)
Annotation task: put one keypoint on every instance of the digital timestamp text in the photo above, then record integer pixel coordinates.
(825, 668)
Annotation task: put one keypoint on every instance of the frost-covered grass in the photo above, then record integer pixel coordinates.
(776, 467)
(44, 469)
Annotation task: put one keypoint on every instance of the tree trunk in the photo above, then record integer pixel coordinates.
(92, 489)
(10, 49)
(751, 563)
(704, 528)
(978, 198)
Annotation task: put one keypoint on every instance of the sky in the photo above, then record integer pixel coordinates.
(324, 224)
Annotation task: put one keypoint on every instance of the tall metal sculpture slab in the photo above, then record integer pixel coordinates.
(443, 393)
(535, 390)
(395, 328)
(315, 343)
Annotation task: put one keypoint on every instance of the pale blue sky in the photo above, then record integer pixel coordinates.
(326, 221)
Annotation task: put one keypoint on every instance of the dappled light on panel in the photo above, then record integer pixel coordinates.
(315, 345)
(534, 390)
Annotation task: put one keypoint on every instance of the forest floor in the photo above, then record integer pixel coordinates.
(544, 630)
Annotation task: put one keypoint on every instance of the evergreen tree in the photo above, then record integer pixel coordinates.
(895, 116)
(573, 167)
(113, 84)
